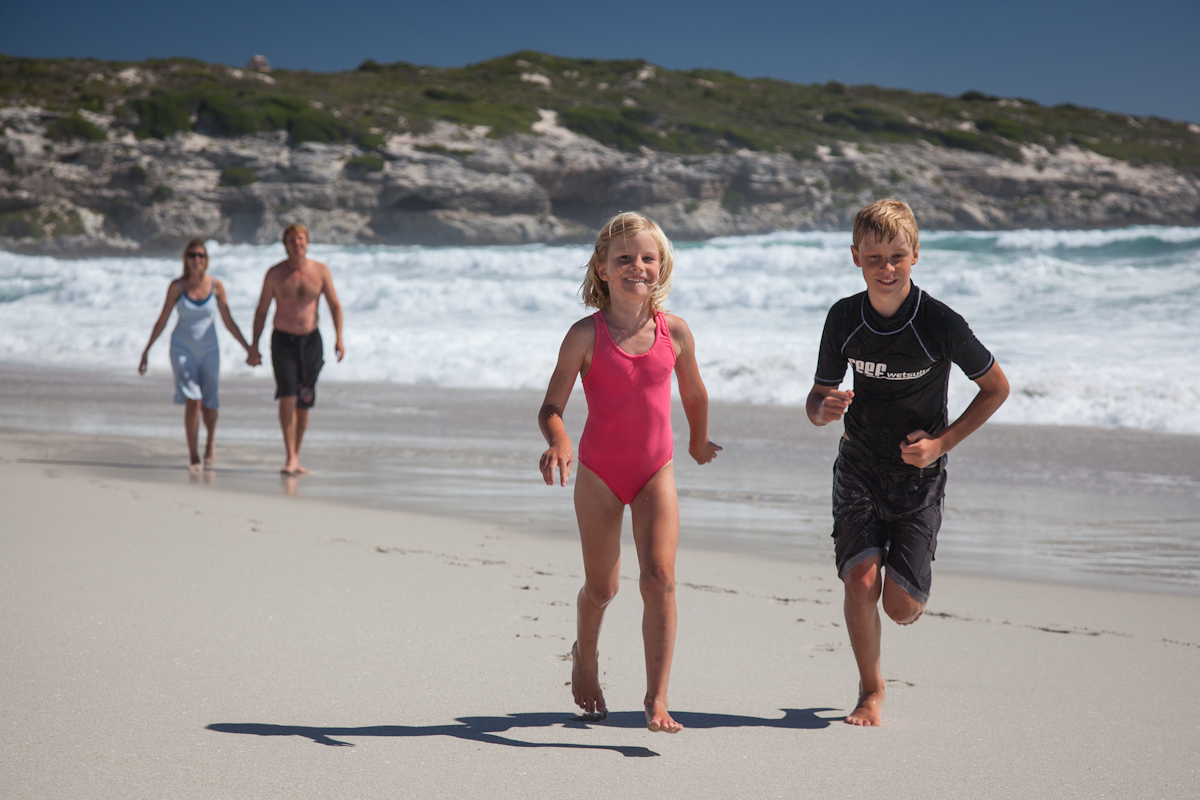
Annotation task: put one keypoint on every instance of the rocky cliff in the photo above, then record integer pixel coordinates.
(455, 184)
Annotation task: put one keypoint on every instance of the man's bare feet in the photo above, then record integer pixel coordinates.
(195, 468)
(585, 686)
(210, 462)
(657, 718)
(869, 711)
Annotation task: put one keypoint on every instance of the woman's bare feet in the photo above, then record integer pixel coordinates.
(657, 718)
(292, 467)
(585, 686)
(868, 712)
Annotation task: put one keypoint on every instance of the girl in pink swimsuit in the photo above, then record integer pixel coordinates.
(625, 353)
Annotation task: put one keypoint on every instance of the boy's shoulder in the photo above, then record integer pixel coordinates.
(934, 312)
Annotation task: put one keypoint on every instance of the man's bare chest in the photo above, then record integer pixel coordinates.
(299, 287)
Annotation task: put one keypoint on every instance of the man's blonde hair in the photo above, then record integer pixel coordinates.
(885, 219)
(295, 227)
(624, 226)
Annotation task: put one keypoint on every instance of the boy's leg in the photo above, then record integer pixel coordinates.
(599, 513)
(863, 587)
(655, 514)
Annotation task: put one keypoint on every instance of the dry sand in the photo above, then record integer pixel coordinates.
(178, 640)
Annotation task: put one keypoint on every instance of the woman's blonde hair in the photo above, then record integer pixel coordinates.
(193, 243)
(624, 226)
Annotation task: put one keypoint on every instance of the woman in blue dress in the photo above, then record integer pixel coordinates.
(195, 354)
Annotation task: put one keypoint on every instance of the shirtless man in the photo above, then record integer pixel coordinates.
(297, 353)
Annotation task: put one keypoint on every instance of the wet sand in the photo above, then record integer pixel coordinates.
(1110, 509)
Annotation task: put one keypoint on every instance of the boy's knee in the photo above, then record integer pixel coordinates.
(863, 584)
(902, 607)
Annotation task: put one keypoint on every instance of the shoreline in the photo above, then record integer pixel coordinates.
(1086, 501)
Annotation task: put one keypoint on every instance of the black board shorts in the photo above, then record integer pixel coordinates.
(888, 513)
(297, 360)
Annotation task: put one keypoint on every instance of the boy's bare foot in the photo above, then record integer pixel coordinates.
(657, 718)
(585, 686)
(869, 711)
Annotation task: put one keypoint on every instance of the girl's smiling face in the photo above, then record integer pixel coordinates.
(632, 267)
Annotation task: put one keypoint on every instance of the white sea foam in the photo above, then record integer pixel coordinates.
(1092, 327)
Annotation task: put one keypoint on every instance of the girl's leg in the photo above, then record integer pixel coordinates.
(599, 513)
(210, 424)
(191, 426)
(656, 534)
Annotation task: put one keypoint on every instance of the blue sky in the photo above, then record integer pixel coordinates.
(1121, 56)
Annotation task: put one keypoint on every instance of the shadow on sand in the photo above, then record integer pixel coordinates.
(487, 729)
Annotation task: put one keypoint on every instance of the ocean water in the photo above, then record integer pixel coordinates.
(1093, 328)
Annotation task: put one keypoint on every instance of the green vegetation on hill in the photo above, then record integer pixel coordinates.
(625, 104)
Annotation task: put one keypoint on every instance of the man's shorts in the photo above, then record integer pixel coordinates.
(888, 513)
(297, 360)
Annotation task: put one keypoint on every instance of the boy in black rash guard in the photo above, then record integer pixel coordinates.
(890, 476)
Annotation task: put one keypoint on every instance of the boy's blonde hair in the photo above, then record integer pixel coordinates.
(885, 219)
(624, 226)
(295, 227)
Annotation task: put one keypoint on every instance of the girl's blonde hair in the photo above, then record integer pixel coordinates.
(624, 226)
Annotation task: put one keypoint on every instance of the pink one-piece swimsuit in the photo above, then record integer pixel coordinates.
(627, 436)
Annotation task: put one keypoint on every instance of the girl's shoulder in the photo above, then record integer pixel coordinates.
(582, 331)
(676, 325)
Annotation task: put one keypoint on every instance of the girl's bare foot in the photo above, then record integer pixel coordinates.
(868, 712)
(585, 686)
(657, 718)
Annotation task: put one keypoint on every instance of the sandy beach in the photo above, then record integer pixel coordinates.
(169, 638)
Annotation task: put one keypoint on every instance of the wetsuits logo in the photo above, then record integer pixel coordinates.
(872, 369)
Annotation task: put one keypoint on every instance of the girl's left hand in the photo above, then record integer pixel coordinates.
(705, 452)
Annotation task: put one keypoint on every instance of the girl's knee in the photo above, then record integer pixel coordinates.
(657, 580)
(599, 596)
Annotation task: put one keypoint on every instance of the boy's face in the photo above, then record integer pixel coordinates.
(886, 267)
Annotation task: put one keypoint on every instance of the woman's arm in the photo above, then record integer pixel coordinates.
(173, 292)
(227, 317)
(691, 391)
(574, 358)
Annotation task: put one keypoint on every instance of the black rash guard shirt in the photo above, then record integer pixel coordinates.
(901, 368)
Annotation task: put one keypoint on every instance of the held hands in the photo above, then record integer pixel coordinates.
(252, 357)
(559, 456)
(919, 450)
(834, 405)
(704, 453)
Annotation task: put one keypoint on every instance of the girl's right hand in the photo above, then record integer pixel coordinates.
(142, 364)
(560, 457)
